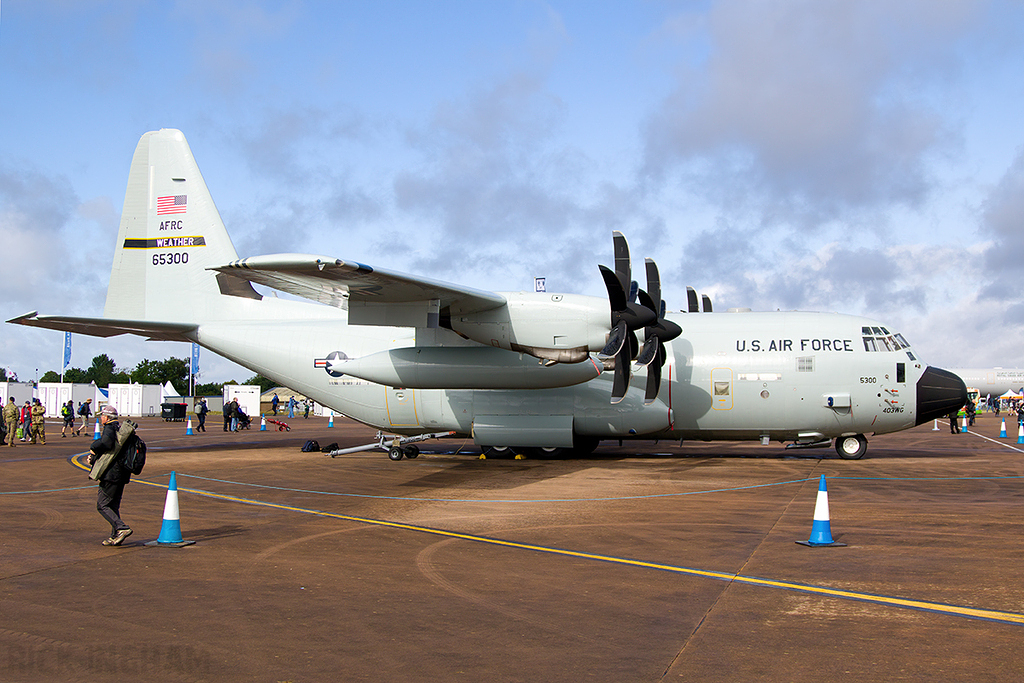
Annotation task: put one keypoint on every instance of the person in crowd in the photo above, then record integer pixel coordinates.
(201, 411)
(954, 424)
(67, 411)
(84, 411)
(38, 422)
(228, 414)
(26, 421)
(273, 403)
(11, 415)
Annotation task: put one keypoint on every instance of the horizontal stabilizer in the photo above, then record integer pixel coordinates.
(106, 327)
(340, 283)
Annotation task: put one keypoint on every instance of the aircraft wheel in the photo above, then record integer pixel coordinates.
(584, 445)
(497, 451)
(412, 452)
(851, 447)
(395, 453)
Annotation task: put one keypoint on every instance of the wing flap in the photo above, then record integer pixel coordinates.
(341, 283)
(107, 327)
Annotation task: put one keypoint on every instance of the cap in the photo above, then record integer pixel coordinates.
(108, 410)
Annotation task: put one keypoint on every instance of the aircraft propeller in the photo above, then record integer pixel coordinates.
(656, 334)
(626, 316)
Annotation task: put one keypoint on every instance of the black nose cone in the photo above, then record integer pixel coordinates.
(939, 392)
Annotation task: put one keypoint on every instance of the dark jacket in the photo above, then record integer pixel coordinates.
(117, 473)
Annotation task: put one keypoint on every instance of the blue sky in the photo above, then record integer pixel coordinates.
(859, 157)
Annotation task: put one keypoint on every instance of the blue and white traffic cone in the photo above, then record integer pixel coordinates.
(330, 422)
(170, 531)
(96, 430)
(821, 529)
(963, 423)
(1002, 430)
(188, 428)
(1020, 433)
(263, 422)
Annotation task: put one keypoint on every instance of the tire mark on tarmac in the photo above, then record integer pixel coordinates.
(431, 573)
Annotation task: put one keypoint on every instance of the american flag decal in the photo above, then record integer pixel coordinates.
(172, 204)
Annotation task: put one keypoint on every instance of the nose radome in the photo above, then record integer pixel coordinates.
(939, 392)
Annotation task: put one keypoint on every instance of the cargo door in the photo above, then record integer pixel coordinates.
(401, 407)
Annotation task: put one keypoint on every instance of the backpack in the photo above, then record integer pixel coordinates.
(330, 448)
(134, 454)
(81, 409)
(310, 446)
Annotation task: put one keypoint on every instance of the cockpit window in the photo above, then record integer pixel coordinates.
(879, 339)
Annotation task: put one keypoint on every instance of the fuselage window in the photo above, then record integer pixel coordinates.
(869, 344)
(901, 372)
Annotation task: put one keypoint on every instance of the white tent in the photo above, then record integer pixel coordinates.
(1011, 395)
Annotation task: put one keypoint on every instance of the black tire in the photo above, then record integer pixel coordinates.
(412, 452)
(851, 447)
(584, 445)
(395, 453)
(497, 451)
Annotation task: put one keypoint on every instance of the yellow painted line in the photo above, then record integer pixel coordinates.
(953, 610)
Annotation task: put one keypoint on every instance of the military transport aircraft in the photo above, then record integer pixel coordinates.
(523, 371)
(992, 381)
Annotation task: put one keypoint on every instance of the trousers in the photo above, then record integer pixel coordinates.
(108, 503)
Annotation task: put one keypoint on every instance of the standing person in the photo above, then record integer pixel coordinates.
(954, 426)
(273, 403)
(38, 422)
(201, 412)
(26, 421)
(85, 410)
(67, 411)
(291, 406)
(305, 414)
(227, 415)
(11, 420)
(112, 482)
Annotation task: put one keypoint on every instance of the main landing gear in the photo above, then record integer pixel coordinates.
(851, 447)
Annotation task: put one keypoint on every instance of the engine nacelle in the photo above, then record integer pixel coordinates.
(444, 367)
(562, 328)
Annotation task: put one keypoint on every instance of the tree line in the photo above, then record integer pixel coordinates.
(104, 372)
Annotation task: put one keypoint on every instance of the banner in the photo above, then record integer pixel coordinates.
(195, 358)
(67, 352)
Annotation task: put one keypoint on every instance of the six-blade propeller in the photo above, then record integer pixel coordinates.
(627, 316)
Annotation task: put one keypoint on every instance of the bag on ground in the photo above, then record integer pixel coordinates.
(310, 446)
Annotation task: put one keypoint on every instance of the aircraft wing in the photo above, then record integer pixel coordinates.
(373, 296)
(107, 327)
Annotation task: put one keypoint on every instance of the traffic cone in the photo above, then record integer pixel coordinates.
(821, 529)
(1020, 433)
(170, 531)
(188, 428)
(936, 427)
(1002, 430)
(263, 422)
(330, 422)
(96, 430)
(963, 428)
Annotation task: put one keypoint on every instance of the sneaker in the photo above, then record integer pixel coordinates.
(108, 541)
(118, 538)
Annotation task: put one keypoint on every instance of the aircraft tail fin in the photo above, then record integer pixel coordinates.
(170, 234)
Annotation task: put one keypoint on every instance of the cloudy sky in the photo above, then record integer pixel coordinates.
(861, 157)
